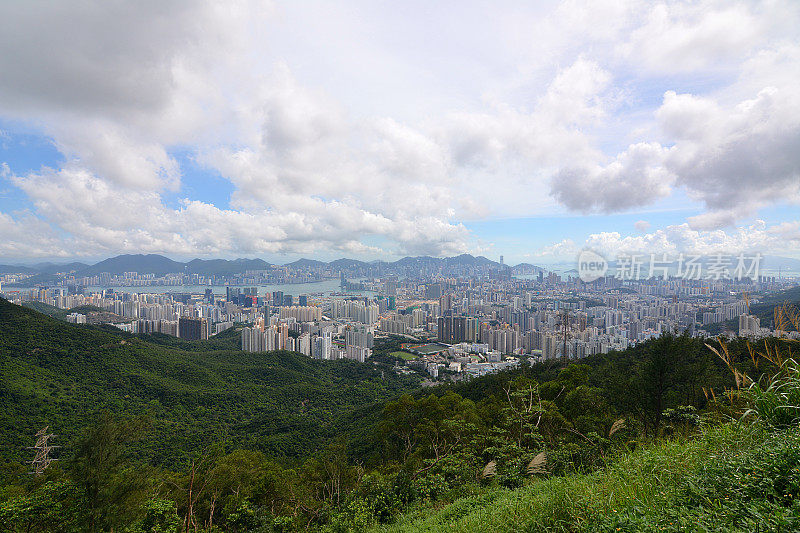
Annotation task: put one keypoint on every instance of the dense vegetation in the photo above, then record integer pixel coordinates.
(47, 309)
(735, 477)
(280, 403)
(765, 311)
(165, 435)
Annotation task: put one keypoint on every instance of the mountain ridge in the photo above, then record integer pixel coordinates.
(160, 265)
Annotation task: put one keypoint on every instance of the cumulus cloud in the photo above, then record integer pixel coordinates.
(111, 152)
(676, 239)
(353, 134)
(682, 238)
(734, 159)
(118, 59)
(107, 218)
(679, 36)
(635, 178)
(735, 150)
(745, 156)
(787, 231)
(25, 235)
(561, 249)
(133, 83)
(575, 98)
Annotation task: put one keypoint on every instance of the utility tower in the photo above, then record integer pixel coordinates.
(43, 448)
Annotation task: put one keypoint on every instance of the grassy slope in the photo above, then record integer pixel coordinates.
(735, 477)
(59, 374)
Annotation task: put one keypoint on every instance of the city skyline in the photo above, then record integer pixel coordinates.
(316, 130)
(269, 265)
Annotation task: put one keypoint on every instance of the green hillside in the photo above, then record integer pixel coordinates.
(736, 477)
(281, 403)
(56, 312)
(47, 309)
(765, 310)
(162, 434)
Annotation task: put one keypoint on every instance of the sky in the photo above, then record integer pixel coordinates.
(376, 130)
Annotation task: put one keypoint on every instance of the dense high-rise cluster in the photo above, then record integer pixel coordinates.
(462, 317)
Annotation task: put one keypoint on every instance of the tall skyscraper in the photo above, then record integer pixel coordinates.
(455, 329)
(192, 329)
(232, 295)
(277, 298)
(433, 291)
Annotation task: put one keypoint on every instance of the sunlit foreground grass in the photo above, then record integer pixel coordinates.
(735, 477)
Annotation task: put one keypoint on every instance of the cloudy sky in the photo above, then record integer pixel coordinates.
(381, 129)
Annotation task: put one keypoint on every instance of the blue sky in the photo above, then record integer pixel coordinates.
(367, 130)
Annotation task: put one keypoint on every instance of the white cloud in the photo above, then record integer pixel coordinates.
(107, 218)
(110, 152)
(746, 156)
(339, 126)
(130, 61)
(713, 219)
(637, 177)
(547, 134)
(681, 36)
(734, 159)
(562, 249)
(681, 238)
(734, 149)
(24, 235)
(788, 232)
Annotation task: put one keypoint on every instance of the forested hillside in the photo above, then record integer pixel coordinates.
(281, 403)
(161, 434)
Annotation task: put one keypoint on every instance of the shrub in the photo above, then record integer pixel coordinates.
(778, 404)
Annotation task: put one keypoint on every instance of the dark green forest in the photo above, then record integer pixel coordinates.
(280, 403)
(160, 434)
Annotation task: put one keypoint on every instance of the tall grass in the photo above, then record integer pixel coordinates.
(634, 493)
(773, 397)
(779, 403)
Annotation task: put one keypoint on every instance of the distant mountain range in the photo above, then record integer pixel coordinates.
(159, 265)
(13, 269)
(144, 264)
(44, 273)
